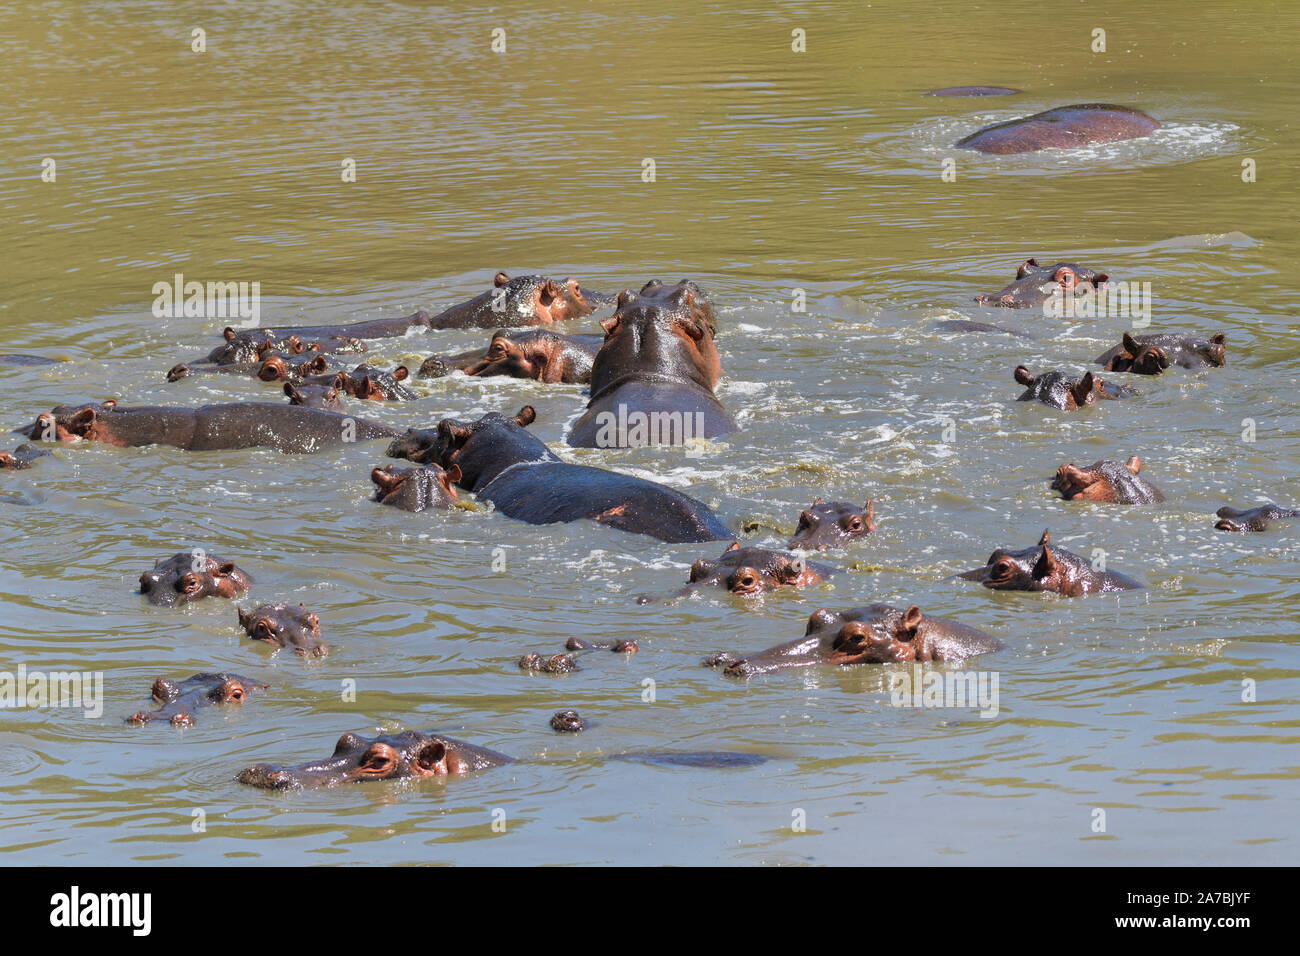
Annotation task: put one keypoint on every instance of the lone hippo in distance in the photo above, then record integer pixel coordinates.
(1065, 127)
(876, 634)
(751, 571)
(180, 700)
(832, 524)
(652, 381)
(1057, 389)
(1044, 568)
(542, 355)
(1106, 481)
(21, 457)
(292, 429)
(973, 91)
(357, 759)
(1253, 519)
(501, 463)
(415, 489)
(284, 626)
(1035, 285)
(1152, 354)
(191, 576)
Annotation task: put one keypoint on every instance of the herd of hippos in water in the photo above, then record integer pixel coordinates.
(656, 356)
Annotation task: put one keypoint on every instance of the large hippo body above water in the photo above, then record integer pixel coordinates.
(1065, 127)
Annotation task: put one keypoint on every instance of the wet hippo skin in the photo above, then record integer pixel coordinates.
(1035, 285)
(284, 625)
(415, 489)
(178, 701)
(1152, 354)
(542, 355)
(1065, 127)
(1045, 568)
(832, 524)
(1252, 519)
(1106, 481)
(191, 576)
(1059, 390)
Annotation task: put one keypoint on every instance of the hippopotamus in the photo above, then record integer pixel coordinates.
(963, 326)
(1057, 389)
(1152, 354)
(284, 626)
(555, 664)
(568, 722)
(832, 524)
(699, 759)
(324, 397)
(501, 463)
(876, 634)
(618, 647)
(1044, 568)
(179, 701)
(751, 571)
(375, 385)
(1065, 127)
(973, 91)
(271, 366)
(246, 346)
(1253, 519)
(21, 457)
(415, 489)
(15, 359)
(191, 576)
(1035, 284)
(543, 355)
(286, 428)
(652, 381)
(357, 759)
(1106, 481)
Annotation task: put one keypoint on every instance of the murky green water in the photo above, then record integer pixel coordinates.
(774, 171)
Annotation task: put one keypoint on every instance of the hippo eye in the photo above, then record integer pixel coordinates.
(264, 628)
(190, 584)
(853, 523)
(378, 760)
(1066, 277)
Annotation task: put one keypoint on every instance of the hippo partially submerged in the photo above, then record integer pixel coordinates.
(501, 463)
(832, 524)
(1065, 127)
(415, 489)
(877, 634)
(1044, 568)
(191, 576)
(1252, 519)
(1106, 481)
(1035, 285)
(357, 759)
(1059, 390)
(284, 626)
(21, 457)
(541, 354)
(652, 381)
(179, 700)
(751, 571)
(1152, 354)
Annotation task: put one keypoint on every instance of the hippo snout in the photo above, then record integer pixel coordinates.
(178, 372)
(433, 367)
(266, 776)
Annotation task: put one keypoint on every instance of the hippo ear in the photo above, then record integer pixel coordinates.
(401, 372)
(1100, 279)
(1131, 344)
(735, 546)
(229, 334)
(817, 501)
(549, 288)
(227, 568)
(702, 569)
(1219, 339)
(871, 510)
(340, 381)
(294, 345)
(245, 617)
(1023, 376)
(912, 619)
(1026, 267)
(454, 435)
(527, 415)
(432, 757)
(500, 279)
(318, 364)
(1082, 389)
(453, 475)
(293, 393)
(1045, 565)
(1134, 464)
(624, 298)
(81, 422)
(1044, 539)
(609, 325)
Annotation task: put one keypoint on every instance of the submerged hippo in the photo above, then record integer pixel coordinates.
(324, 397)
(249, 346)
(286, 428)
(501, 463)
(191, 576)
(1044, 568)
(555, 664)
(270, 366)
(877, 634)
(11, 358)
(973, 91)
(832, 524)
(179, 700)
(357, 759)
(1253, 519)
(1065, 127)
(1057, 389)
(964, 326)
(1152, 354)
(568, 722)
(542, 355)
(284, 626)
(21, 457)
(751, 571)
(415, 489)
(616, 646)
(652, 381)
(375, 385)
(1106, 481)
(1034, 285)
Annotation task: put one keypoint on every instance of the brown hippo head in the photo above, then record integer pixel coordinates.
(832, 524)
(1035, 284)
(284, 626)
(750, 571)
(191, 576)
(415, 489)
(68, 423)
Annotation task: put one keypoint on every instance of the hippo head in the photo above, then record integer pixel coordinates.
(178, 699)
(284, 626)
(878, 634)
(661, 330)
(534, 353)
(539, 300)
(376, 385)
(1057, 389)
(415, 489)
(1036, 284)
(1098, 482)
(240, 346)
(481, 449)
(314, 396)
(68, 423)
(1029, 569)
(1140, 358)
(832, 525)
(191, 576)
(751, 571)
(21, 457)
(278, 367)
(358, 759)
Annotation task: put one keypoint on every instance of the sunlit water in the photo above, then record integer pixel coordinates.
(775, 171)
